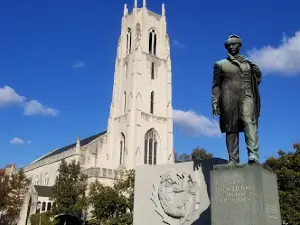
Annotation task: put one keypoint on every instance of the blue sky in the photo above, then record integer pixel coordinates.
(57, 63)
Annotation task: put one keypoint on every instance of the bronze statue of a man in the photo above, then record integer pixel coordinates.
(236, 99)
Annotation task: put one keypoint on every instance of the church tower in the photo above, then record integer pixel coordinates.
(140, 125)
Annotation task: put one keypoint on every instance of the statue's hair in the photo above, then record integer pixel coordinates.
(233, 39)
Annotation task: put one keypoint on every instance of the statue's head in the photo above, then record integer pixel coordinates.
(233, 44)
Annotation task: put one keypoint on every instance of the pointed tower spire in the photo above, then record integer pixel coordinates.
(135, 3)
(78, 142)
(125, 10)
(163, 10)
(144, 3)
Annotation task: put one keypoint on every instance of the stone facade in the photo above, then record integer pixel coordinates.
(140, 124)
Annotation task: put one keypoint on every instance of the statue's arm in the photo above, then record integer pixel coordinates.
(256, 71)
(216, 87)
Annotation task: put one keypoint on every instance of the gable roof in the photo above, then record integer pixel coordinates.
(83, 142)
(44, 191)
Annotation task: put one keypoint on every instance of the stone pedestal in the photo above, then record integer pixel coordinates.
(244, 195)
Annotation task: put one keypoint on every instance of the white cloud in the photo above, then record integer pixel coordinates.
(178, 44)
(282, 59)
(8, 96)
(34, 107)
(78, 64)
(196, 124)
(16, 141)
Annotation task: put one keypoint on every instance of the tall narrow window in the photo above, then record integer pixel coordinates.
(49, 206)
(152, 70)
(44, 206)
(154, 153)
(128, 41)
(124, 102)
(152, 102)
(122, 149)
(150, 151)
(146, 151)
(152, 42)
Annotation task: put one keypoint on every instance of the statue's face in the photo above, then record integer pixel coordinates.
(233, 48)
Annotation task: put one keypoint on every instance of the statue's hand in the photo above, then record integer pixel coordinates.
(216, 109)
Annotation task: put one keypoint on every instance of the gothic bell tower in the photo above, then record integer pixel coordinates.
(140, 125)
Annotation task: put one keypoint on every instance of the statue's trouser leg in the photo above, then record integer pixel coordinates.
(232, 142)
(250, 129)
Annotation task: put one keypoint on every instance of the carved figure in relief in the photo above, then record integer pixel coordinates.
(178, 194)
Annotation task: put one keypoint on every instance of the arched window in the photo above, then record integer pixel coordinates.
(49, 206)
(152, 102)
(152, 42)
(38, 207)
(44, 207)
(122, 149)
(152, 70)
(124, 102)
(128, 41)
(151, 145)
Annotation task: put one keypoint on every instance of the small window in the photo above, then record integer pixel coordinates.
(38, 207)
(128, 41)
(49, 206)
(122, 149)
(146, 151)
(152, 70)
(152, 42)
(152, 103)
(44, 207)
(150, 148)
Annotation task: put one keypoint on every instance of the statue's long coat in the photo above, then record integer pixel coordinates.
(228, 89)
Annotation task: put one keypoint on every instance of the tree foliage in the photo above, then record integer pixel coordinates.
(13, 191)
(196, 154)
(113, 205)
(40, 218)
(4, 190)
(69, 190)
(287, 168)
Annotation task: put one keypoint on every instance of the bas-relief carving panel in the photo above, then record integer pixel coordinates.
(177, 195)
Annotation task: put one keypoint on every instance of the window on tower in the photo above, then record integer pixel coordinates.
(152, 102)
(152, 70)
(122, 149)
(128, 41)
(151, 144)
(152, 42)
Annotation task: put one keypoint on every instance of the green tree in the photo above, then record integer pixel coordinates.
(4, 190)
(200, 154)
(69, 190)
(196, 154)
(40, 218)
(113, 205)
(15, 188)
(287, 168)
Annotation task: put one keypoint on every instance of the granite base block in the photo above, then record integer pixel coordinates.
(244, 195)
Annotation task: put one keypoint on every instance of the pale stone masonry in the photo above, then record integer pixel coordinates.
(140, 124)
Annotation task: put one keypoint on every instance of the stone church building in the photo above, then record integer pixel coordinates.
(140, 124)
